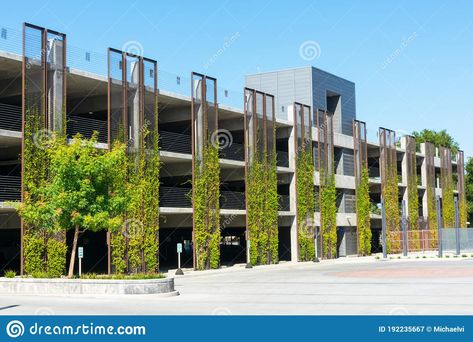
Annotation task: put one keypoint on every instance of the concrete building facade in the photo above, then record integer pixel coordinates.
(87, 89)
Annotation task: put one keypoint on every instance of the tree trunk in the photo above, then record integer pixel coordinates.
(73, 253)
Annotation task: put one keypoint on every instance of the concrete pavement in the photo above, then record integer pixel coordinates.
(336, 287)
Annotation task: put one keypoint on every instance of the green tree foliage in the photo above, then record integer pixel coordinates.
(305, 204)
(83, 191)
(263, 206)
(440, 138)
(328, 214)
(206, 195)
(363, 206)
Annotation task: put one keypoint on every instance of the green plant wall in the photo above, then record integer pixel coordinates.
(43, 251)
(413, 206)
(328, 214)
(206, 194)
(448, 208)
(305, 204)
(262, 210)
(391, 201)
(143, 207)
(363, 206)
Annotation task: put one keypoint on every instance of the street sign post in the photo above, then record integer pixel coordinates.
(80, 254)
(179, 251)
(248, 257)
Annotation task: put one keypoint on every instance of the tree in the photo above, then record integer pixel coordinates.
(440, 138)
(85, 190)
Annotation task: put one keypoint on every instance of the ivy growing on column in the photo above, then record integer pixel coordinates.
(328, 214)
(363, 213)
(413, 194)
(305, 204)
(391, 200)
(206, 194)
(263, 206)
(143, 213)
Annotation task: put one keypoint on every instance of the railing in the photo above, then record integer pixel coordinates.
(10, 117)
(10, 188)
(175, 197)
(86, 127)
(232, 200)
(282, 158)
(234, 152)
(96, 63)
(175, 142)
(180, 198)
(284, 203)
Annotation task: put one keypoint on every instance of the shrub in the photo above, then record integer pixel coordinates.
(10, 274)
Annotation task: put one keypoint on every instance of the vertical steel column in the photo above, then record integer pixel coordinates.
(360, 157)
(205, 121)
(41, 102)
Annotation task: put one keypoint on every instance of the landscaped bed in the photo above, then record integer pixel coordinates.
(88, 284)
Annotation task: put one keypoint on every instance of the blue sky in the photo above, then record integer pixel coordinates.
(411, 60)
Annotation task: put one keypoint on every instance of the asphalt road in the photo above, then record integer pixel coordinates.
(349, 286)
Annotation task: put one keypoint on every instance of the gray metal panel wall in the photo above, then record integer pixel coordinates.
(288, 86)
(322, 82)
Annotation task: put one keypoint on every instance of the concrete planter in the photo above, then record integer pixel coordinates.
(32, 286)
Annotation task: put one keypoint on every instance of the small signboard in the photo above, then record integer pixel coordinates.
(80, 252)
(179, 248)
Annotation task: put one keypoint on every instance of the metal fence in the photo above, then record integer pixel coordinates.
(416, 241)
(458, 240)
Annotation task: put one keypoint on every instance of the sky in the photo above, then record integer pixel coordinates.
(411, 61)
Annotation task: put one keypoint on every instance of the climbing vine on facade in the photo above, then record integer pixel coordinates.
(448, 204)
(413, 204)
(44, 251)
(206, 195)
(305, 204)
(391, 201)
(363, 205)
(263, 205)
(142, 224)
(328, 214)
